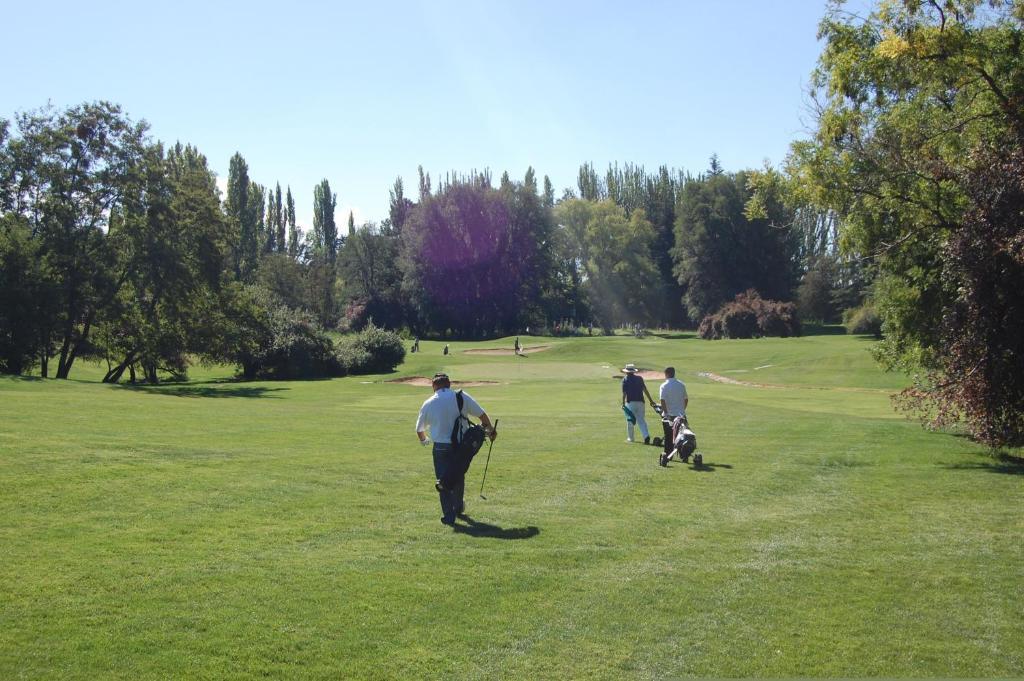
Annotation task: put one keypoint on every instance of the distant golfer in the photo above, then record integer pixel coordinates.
(674, 401)
(445, 348)
(633, 391)
(439, 413)
(519, 348)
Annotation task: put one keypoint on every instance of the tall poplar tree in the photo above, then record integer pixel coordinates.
(242, 214)
(293, 232)
(279, 219)
(325, 230)
(270, 241)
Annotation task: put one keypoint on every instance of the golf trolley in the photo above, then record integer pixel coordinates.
(683, 439)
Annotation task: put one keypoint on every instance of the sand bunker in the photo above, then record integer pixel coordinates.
(424, 382)
(506, 351)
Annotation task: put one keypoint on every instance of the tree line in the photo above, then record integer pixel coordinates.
(116, 246)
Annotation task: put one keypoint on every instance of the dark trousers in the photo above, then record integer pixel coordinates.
(451, 500)
(667, 427)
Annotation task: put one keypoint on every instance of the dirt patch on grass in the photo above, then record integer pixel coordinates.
(748, 384)
(424, 382)
(506, 351)
(718, 378)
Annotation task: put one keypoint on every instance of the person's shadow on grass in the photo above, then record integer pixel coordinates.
(475, 528)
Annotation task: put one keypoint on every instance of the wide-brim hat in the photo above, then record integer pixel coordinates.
(630, 368)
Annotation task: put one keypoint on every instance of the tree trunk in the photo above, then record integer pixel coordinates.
(114, 375)
(62, 362)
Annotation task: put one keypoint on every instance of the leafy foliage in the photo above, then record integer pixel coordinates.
(608, 255)
(370, 351)
(271, 340)
(720, 251)
(863, 320)
(468, 252)
(66, 173)
(981, 379)
(910, 98)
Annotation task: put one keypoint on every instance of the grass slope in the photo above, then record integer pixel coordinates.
(290, 529)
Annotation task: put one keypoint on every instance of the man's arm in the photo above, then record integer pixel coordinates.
(421, 428)
(488, 428)
(473, 408)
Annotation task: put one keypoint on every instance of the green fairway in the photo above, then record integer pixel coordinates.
(291, 530)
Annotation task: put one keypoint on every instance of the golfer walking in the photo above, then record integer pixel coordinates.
(673, 403)
(633, 391)
(439, 413)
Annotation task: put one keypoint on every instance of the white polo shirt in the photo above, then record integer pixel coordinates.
(673, 391)
(439, 412)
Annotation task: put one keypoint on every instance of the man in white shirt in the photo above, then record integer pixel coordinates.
(439, 413)
(673, 403)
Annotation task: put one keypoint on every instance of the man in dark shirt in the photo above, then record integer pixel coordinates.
(633, 391)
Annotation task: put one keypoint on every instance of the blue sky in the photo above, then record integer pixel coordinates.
(360, 93)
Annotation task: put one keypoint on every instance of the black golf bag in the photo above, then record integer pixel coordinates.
(683, 442)
(467, 439)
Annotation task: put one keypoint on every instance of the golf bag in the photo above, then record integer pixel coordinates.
(467, 439)
(685, 440)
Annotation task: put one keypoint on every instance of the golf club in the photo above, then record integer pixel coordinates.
(488, 463)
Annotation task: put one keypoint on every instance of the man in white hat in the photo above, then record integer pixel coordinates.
(633, 391)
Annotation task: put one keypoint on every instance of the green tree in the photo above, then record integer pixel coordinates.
(279, 221)
(325, 230)
(368, 266)
(173, 243)
(325, 250)
(549, 193)
(611, 256)
(258, 206)
(66, 175)
(242, 217)
(270, 243)
(294, 234)
(27, 289)
(399, 207)
(589, 184)
(720, 252)
(470, 253)
(909, 96)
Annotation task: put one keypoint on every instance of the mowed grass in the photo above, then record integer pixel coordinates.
(291, 530)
